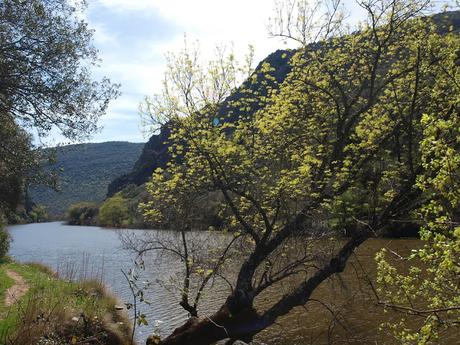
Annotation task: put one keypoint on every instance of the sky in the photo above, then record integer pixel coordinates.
(133, 36)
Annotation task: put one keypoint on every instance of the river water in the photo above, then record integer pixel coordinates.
(344, 310)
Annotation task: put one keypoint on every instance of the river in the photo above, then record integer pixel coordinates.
(88, 252)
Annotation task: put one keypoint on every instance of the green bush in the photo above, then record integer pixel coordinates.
(114, 212)
(4, 242)
(84, 213)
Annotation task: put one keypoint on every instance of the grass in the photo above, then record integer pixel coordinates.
(67, 312)
(5, 283)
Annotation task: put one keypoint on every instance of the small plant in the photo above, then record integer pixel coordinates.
(5, 240)
(137, 293)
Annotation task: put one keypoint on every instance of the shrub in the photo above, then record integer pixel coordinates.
(114, 212)
(4, 242)
(83, 213)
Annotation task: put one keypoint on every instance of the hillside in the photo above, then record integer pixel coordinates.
(85, 172)
(155, 152)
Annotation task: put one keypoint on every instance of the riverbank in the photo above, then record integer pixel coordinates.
(94, 251)
(37, 307)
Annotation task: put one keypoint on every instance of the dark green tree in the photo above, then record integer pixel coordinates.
(15, 160)
(46, 58)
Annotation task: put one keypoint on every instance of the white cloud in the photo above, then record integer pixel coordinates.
(102, 36)
(138, 63)
(212, 22)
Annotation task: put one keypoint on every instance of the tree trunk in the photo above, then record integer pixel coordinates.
(221, 325)
(246, 323)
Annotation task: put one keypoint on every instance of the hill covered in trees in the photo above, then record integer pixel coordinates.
(84, 171)
(155, 152)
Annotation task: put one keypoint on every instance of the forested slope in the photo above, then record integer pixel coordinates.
(155, 152)
(85, 170)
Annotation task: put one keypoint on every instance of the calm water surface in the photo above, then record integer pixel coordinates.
(93, 252)
(96, 252)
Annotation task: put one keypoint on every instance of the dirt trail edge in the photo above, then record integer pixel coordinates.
(16, 291)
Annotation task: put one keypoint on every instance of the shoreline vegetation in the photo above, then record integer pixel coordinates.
(124, 210)
(119, 212)
(352, 135)
(53, 310)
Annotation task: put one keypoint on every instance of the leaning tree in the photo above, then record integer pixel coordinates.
(332, 150)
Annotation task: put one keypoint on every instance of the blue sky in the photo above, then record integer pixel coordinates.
(133, 37)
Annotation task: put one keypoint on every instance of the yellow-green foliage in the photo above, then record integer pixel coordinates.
(114, 212)
(47, 309)
(343, 135)
(430, 289)
(327, 130)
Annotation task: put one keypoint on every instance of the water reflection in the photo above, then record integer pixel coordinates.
(341, 312)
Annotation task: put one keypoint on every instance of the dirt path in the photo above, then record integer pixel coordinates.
(16, 291)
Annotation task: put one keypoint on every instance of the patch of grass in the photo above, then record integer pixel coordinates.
(38, 267)
(5, 283)
(65, 311)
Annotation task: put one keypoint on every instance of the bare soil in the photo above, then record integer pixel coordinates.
(15, 292)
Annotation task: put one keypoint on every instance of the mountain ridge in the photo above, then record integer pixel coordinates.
(155, 153)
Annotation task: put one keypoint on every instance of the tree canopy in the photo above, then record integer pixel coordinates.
(46, 56)
(336, 148)
(46, 62)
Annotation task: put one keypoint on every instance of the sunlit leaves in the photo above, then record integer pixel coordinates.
(337, 147)
(430, 289)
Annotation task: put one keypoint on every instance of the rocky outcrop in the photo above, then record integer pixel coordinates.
(155, 152)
